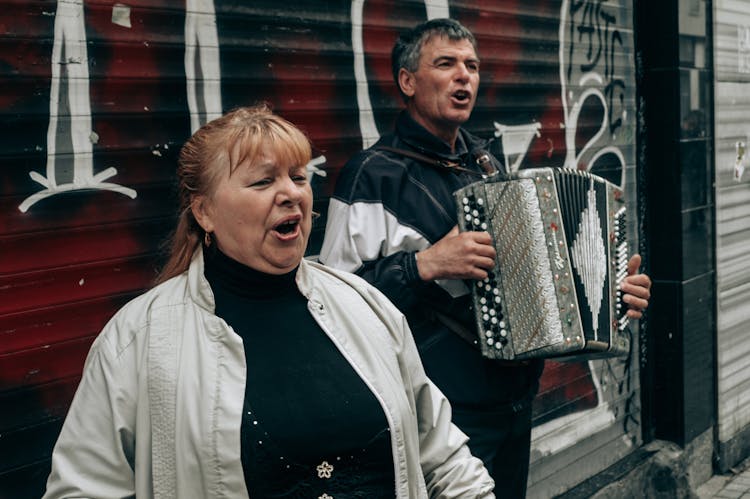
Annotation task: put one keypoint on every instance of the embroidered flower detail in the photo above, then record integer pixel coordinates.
(324, 470)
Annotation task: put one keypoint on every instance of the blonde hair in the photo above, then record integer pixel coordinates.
(242, 134)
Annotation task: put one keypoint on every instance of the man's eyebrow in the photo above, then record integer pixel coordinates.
(453, 58)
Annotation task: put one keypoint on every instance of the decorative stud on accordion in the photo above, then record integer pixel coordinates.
(560, 237)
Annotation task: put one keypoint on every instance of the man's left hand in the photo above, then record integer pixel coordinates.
(636, 288)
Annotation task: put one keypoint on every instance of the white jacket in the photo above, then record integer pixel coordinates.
(158, 411)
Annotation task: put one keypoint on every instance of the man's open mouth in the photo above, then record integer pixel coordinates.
(462, 95)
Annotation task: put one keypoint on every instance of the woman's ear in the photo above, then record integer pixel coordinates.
(406, 82)
(199, 206)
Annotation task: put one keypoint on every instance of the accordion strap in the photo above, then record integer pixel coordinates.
(443, 164)
(465, 334)
(462, 331)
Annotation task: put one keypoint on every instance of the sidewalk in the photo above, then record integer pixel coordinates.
(730, 486)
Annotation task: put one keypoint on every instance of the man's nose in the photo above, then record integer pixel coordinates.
(463, 73)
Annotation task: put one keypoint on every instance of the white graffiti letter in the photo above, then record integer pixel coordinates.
(70, 113)
(202, 62)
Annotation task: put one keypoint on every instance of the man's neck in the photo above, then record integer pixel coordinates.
(447, 134)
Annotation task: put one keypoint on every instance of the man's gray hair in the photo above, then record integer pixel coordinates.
(408, 47)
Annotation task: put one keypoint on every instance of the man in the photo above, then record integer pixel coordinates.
(392, 220)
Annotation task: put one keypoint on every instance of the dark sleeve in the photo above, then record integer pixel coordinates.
(363, 236)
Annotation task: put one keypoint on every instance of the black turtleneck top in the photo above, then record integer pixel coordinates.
(311, 426)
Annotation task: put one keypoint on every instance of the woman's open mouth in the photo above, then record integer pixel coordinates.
(288, 229)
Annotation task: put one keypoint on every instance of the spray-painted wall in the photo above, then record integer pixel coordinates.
(732, 180)
(98, 97)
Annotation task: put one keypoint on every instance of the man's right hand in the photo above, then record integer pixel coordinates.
(465, 255)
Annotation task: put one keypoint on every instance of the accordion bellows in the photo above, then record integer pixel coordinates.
(560, 237)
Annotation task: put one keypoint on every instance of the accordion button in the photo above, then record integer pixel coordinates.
(477, 221)
(497, 299)
(484, 226)
(493, 320)
(467, 209)
(465, 200)
(490, 341)
(492, 312)
(483, 300)
(480, 202)
(499, 345)
(484, 309)
(488, 333)
(468, 217)
(502, 324)
(495, 291)
(485, 317)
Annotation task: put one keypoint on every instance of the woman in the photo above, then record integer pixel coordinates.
(249, 370)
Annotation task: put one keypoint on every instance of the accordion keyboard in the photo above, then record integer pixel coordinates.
(561, 243)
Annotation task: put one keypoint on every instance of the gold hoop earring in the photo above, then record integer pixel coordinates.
(207, 239)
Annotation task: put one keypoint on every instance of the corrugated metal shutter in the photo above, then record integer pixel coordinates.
(732, 102)
(590, 45)
(95, 127)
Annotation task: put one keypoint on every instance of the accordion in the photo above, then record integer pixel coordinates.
(560, 237)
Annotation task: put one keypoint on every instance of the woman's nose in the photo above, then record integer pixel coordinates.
(289, 192)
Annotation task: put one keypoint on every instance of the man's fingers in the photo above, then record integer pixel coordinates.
(639, 285)
(634, 264)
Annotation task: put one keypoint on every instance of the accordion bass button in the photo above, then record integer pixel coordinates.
(465, 200)
(480, 201)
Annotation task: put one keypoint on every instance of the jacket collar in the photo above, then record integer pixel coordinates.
(200, 290)
(198, 286)
(416, 136)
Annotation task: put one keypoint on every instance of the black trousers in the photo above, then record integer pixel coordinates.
(502, 440)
